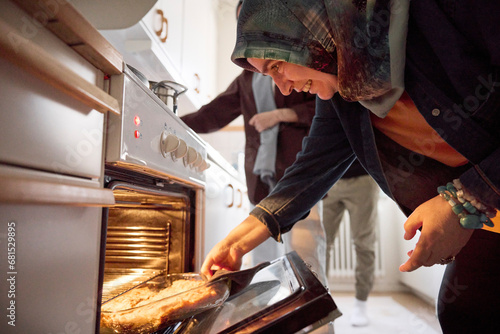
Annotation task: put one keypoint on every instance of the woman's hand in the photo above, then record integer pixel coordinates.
(228, 253)
(441, 237)
(266, 120)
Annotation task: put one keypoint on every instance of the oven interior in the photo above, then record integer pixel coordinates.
(149, 231)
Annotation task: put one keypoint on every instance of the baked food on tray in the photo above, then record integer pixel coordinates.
(155, 304)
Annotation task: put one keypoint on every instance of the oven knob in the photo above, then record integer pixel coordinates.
(181, 151)
(191, 156)
(198, 161)
(168, 143)
(204, 165)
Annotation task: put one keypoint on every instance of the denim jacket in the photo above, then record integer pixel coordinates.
(452, 75)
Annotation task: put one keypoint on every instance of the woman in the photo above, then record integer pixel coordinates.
(423, 115)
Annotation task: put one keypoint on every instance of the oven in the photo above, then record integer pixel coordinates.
(154, 160)
(155, 166)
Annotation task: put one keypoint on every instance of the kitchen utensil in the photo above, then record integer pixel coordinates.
(165, 89)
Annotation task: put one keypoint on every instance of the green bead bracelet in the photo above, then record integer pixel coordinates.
(469, 216)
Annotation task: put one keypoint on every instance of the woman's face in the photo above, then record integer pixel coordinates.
(288, 77)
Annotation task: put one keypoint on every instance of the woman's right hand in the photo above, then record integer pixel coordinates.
(441, 237)
(228, 253)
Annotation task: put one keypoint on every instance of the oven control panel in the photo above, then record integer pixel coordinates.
(176, 148)
(149, 137)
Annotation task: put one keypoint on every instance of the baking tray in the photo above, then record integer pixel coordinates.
(155, 313)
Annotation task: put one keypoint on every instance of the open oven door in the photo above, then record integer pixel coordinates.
(284, 297)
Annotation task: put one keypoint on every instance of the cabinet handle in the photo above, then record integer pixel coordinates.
(241, 198)
(163, 23)
(72, 28)
(230, 186)
(197, 83)
(35, 60)
(26, 191)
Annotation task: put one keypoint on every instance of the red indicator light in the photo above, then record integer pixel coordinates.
(137, 120)
(137, 134)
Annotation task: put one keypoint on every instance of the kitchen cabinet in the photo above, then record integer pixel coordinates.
(165, 24)
(226, 200)
(54, 251)
(199, 51)
(53, 105)
(52, 92)
(176, 40)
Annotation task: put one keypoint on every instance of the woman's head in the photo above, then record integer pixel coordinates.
(286, 31)
(349, 39)
(288, 77)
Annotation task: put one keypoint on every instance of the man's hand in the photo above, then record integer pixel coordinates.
(441, 237)
(266, 120)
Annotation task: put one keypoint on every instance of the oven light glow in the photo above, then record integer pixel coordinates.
(137, 134)
(137, 120)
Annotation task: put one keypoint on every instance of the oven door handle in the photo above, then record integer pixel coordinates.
(23, 191)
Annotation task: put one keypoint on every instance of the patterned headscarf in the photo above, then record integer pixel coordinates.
(361, 41)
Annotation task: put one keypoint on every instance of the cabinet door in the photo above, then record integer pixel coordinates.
(199, 49)
(165, 22)
(56, 264)
(226, 205)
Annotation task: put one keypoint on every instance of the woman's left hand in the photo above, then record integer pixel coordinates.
(228, 253)
(441, 237)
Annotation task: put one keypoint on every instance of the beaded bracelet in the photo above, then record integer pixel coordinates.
(470, 217)
(463, 195)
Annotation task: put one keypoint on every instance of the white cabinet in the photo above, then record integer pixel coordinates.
(226, 204)
(165, 24)
(199, 51)
(176, 40)
(51, 165)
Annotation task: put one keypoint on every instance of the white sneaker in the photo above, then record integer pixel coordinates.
(358, 316)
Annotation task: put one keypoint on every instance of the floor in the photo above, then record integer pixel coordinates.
(389, 313)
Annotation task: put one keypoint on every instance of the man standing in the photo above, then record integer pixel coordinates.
(356, 193)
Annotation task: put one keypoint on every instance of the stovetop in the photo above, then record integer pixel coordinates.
(148, 137)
